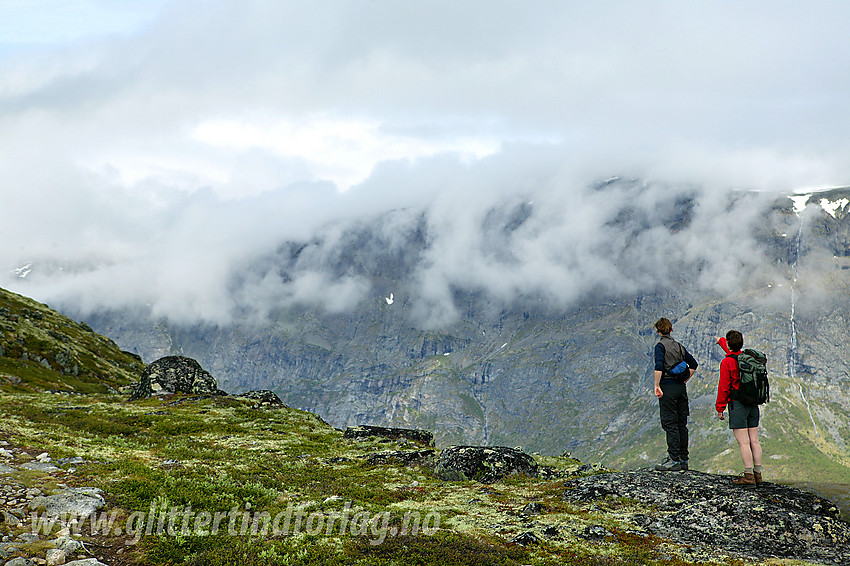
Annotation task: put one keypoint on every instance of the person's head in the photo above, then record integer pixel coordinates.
(664, 326)
(735, 340)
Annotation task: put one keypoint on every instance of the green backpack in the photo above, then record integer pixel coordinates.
(754, 388)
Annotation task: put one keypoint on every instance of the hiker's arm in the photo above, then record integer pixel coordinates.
(659, 368)
(721, 341)
(724, 386)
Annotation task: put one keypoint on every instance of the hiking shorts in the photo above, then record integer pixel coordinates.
(743, 416)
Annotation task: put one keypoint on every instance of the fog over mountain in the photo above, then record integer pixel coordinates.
(514, 232)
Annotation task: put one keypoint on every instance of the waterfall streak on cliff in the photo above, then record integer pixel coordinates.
(809, 407)
(792, 352)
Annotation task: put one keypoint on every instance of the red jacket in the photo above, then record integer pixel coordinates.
(729, 378)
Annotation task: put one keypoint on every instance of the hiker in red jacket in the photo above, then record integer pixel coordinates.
(743, 419)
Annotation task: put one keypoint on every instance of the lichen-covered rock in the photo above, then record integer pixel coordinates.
(263, 397)
(483, 463)
(75, 501)
(707, 510)
(175, 374)
(360, 432)
(405, 458)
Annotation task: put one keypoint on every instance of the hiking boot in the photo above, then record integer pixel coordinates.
(746, 478)
(757, 476)
(669, 465)
(684, 464)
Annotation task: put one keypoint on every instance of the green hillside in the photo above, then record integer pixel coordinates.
(42, 350)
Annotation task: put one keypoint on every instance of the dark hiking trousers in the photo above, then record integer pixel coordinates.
(674, 418)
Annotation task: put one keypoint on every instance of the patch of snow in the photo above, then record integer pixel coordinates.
(800, 202)
(447, 353)
(22, 272)
(390, 300)
(830, 207)
(503, 345)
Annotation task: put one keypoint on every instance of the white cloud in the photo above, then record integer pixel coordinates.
(162, 158)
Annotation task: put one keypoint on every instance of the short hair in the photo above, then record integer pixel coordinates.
(735, 340)
(664, 326)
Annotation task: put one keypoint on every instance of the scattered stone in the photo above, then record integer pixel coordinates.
(19, 561)
(76, 501)
(46, 467)
(526, 538)
(68, 545)
(55, 557)
(175, 374)
(362, 432)
(550, 531)
(264, 397)
(485, 464)
(6, 469)
(71, 461)
(707, 510)
(595, 532)
(86, 562)
(412, 458)
(533, 508)
(338, 460)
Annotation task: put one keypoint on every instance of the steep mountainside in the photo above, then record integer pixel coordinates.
(557, 377)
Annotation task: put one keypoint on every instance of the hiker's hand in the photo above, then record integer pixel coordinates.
(658, 392)
(720, 416)
(717, 339)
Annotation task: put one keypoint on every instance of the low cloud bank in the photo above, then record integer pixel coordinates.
(518, 231)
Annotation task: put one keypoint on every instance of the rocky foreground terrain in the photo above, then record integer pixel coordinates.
(105, 480)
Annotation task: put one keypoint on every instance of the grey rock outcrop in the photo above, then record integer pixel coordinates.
(483, 463)
(405, 458)
(698, 509)
(263, 397)
(361, 432)
(75, 501)
(175, 374)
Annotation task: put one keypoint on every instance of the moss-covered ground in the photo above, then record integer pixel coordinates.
(225, 456)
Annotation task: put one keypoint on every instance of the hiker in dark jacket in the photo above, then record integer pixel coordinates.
(672, 396)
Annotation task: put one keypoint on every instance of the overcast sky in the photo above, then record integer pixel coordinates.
(136, 134)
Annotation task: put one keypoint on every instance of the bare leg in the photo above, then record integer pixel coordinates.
(743, 438)
(755, 446)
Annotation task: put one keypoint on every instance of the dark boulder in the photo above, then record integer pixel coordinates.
(483, 463)
(175, 374)
(707, 510)
(405, 458)
(263, 397)
(362, 432)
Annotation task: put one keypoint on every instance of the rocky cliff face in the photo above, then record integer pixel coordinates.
(546, 375)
